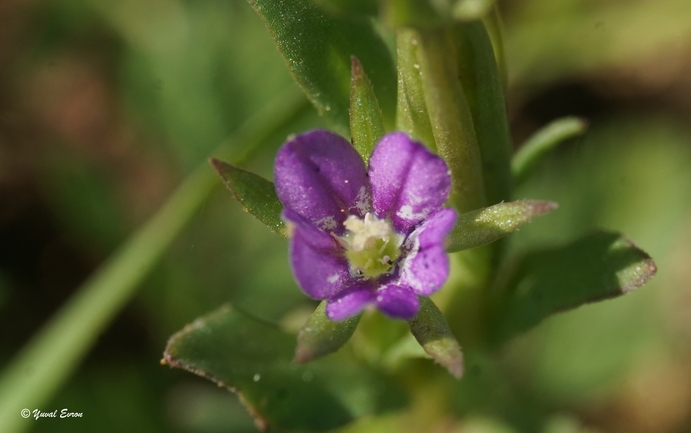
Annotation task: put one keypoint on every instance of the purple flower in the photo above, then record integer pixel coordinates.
(365, 236)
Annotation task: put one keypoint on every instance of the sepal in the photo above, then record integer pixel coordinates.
(430, 329)
(255, 193)
(321, 336)
(486, 225)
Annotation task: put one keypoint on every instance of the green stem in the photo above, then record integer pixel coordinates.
(46, 362)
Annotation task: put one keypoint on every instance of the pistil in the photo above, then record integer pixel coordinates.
(371, 244)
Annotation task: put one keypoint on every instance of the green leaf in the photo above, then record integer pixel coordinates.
(542, 142)
(450, 117)
(468, 10)
(484, 226)
(412, 116)
(255, 193)
(366, 123)
(321, 336)
(415, 13)
(254, 360)
(317, 48)
(355, 8)
(430, 329)
(485, 94)
(598, 266)
(495, 29)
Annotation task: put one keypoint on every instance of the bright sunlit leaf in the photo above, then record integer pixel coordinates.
(318, 47)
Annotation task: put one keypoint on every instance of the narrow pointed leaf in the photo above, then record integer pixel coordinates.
(485, 95)
(255, 193)
(467, 10)
(451, 120)
(598, 266)
(484, 226)
(321, 336)
(254, 360)
(495, 30)
(430, 329)
(366, 123)
(542, 142)
(412, 116)
(317, 48)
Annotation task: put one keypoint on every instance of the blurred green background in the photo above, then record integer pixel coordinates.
(105, 107)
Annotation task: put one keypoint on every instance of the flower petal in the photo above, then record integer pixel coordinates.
(426, 268)
(318, 263)
(409, 183)
(321, 177)
(397, 301)
(349, 303)
(434, 230)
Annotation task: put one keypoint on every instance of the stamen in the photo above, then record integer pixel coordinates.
(371, 245)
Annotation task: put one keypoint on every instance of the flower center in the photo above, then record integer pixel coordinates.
(371, 245)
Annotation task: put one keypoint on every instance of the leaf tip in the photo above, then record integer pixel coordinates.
(432, 332)
(448, 355)
(456, 368)
(302, 354)
(582, 123)
(539, 208)
(220, 166)
(355, 68)
(645, 271)
(304, 351)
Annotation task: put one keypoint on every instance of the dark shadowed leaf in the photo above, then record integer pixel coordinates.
(482, 85)
(598, 266)
(255, 193)
(254, 359)
(484, 226)
(430, 329)
(366, 123)
(321, 336)
(317, 48)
